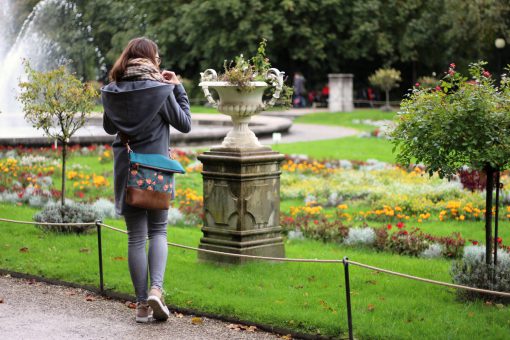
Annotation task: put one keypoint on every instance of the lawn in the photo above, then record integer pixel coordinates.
(303, 296)
(347, 118)
(351, 148)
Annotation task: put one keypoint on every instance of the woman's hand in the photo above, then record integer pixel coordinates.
(171, 77)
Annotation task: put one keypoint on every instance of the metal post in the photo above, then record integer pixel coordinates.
(496, 217)
(348, 296)
(100, 254)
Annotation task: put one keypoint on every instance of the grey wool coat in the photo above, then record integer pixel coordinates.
(144, 111)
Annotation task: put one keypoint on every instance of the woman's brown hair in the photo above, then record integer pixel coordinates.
(136, 48)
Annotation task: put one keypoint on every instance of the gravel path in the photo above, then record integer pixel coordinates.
(34, 310)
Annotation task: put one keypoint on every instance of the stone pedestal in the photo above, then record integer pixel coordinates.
(241, 203)
(340, 92)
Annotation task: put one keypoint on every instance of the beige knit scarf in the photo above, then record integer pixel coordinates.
(142, 69)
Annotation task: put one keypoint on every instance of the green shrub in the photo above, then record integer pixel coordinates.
(69, 213)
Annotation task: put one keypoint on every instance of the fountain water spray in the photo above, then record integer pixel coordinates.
(34, 43)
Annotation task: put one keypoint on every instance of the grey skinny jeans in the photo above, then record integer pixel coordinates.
(140, 224)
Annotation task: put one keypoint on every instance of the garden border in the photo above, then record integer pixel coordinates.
(345, 261)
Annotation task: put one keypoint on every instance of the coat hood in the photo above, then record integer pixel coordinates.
(132, 105)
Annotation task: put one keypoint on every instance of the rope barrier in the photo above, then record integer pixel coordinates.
(232, 254)
(359, 264)
(417, 278)
(48, 223)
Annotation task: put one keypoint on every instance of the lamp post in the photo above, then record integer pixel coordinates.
(500, 44)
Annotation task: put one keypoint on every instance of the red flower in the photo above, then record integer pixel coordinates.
(417, 84)
(475, 243)
(486, 74)
(400, 225)
(451, 72)
(389, 227)
(452, 65)
(315, 221)
(438, 88)
(500, 240)
(405, 232)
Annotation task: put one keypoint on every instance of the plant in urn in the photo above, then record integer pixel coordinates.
(240, 90)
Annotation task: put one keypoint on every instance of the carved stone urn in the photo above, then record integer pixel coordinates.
(241, 177)
(241, 104)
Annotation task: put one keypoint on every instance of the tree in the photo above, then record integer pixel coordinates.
(458, 123)
(385, 79)
(57, 103)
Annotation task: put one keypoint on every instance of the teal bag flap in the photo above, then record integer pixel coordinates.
(156, 161)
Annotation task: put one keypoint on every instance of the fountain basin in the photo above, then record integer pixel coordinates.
(206, 129)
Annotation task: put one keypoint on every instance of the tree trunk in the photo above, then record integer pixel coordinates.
(388, 100)
(489, 171)
(64, 155)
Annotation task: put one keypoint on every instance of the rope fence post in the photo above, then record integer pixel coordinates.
(345, 262)
(100, 255)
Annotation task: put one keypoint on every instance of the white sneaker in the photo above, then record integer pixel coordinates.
(157, 303)
(143, 312)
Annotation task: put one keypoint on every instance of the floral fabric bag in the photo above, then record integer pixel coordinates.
(151, 182)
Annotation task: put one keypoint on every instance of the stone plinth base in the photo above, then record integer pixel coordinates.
(241, 204)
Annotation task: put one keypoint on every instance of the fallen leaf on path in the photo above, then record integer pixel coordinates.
(370, 307)
(85, 250)
(90, 298)
(119, 258)
(31, 281)
(197, 321)
(23, 250)
(178, 315)
(130, 305)
(286, 337)
(238, 327)
(471, 314)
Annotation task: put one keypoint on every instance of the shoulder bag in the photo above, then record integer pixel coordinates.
(150, 183)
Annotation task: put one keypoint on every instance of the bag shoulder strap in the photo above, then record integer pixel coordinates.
(125, 140)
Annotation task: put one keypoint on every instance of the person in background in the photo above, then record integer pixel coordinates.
(299, 99)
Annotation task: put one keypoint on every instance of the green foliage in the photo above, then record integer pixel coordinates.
(239, 73)
(385, 78)
(428, 82)
(459, 123)
(56, 102)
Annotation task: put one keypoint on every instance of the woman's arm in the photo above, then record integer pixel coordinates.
(108, 125)
(176, 111)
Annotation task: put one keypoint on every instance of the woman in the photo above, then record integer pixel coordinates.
(140, 104)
